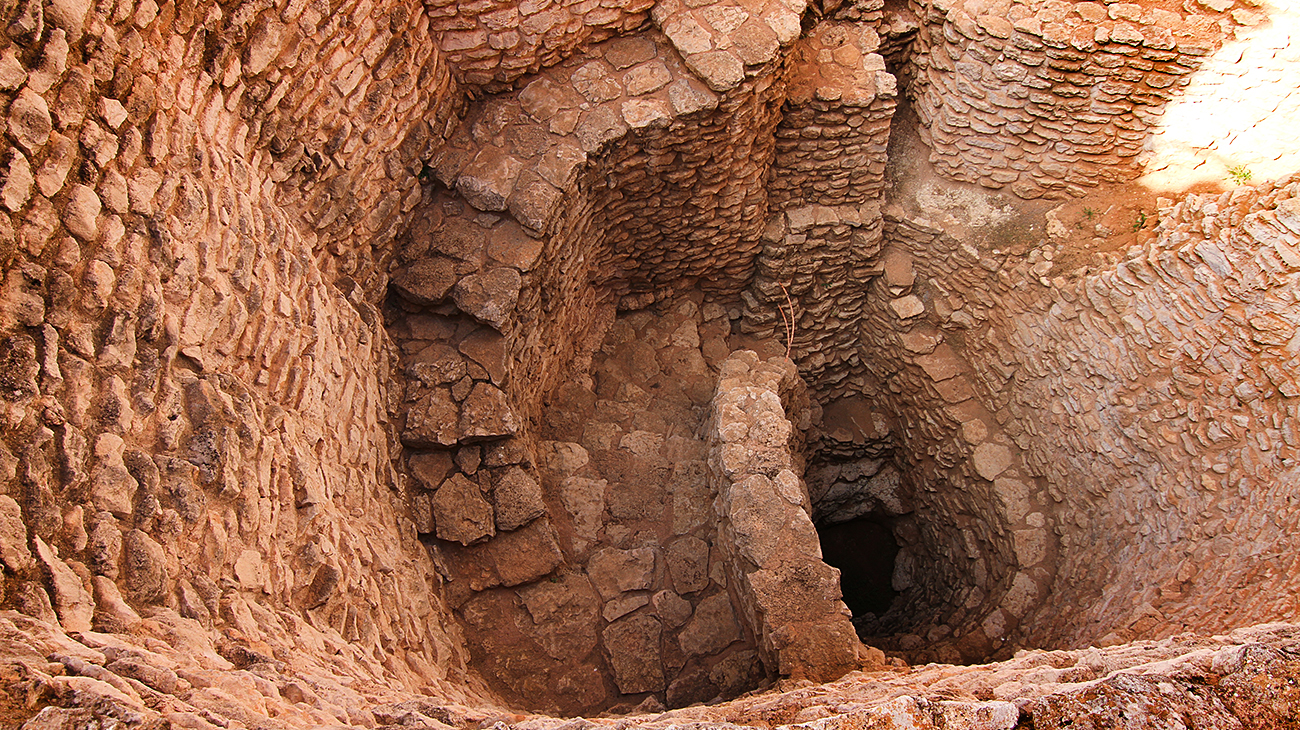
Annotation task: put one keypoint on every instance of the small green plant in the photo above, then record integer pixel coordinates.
(1089, 213)
(1141, 221)
(1239, 174)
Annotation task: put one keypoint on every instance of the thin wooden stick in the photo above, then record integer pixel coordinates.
(789, 323)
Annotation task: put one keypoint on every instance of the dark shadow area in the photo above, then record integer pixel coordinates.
(863, 550)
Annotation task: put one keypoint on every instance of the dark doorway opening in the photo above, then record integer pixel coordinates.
(864, 550)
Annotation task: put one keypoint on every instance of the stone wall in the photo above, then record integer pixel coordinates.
(788, 598)
(1051, 98)
(825, 188)
(196, 420)
(581, 554)
(224, 419)
(1184, 445)
(493, 44)
(1142, 404)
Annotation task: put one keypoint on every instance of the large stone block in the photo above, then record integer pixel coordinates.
(460, 513)
(633, 647)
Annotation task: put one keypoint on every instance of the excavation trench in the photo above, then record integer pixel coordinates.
(648, 522)
(627, 508)
(359, 350)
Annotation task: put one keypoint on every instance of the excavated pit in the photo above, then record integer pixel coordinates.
(378, 364)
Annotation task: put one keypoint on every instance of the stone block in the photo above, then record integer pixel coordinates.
(688, 96)
(633, 647)
(672, 609)
(488, 349)
(598, 127)
(990, 460)
(712, 628)
(432, 421)
(615, 571)
(81, 213)
(524, 555)
(534, 201)
(460, 513)
(29, 121)
(72, 602)
(566, 613)
(427, 281)
(489, 297)
(688, 564)
(624, 52)
(488, 180)
(623, 604)
(596, 83)
(907, 307)
(486, 414)
(516, 498)
(687, 35)
(721, 70)
(646, 78)
(643, 113)
(14, 553)
(18, 180)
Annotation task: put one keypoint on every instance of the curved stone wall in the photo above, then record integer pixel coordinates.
(1051, 98)
(1078, 408)
(299, 345)
(195, 423)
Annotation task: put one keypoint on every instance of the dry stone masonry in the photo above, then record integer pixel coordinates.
(423, 363)
(1050, 98)
(788, 597)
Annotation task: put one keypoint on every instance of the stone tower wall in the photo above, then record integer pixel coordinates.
(198, 203)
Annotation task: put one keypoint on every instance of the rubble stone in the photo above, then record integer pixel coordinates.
(460, 512)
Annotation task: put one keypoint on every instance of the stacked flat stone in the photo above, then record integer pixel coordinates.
(726, 42)
(949, 431)
(811, 265)
(630, 563)
(789, 598)
(1050, 98)
(618, 161)
(866, 12)
(982, 414)
(831, 141)
(828, 177)
(200, 390)
(494, 43)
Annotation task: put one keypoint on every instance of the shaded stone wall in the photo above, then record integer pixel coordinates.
(1142, 404)
(825, 187)
(1181, 452)
(587, 190)
(202, 410)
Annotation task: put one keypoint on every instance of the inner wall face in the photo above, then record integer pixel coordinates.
(936, 322)
(311, 333)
